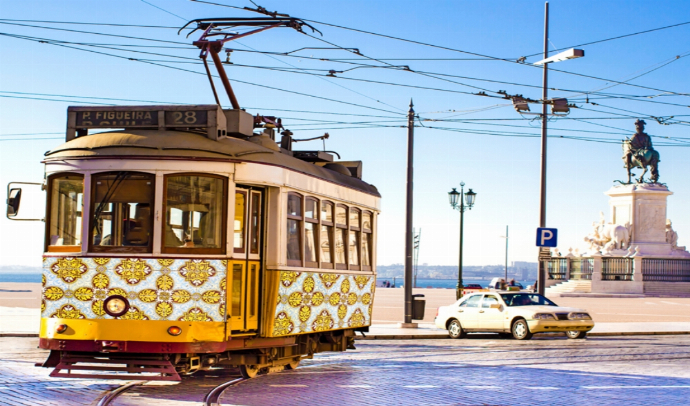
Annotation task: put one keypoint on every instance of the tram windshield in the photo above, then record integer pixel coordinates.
(122, 213)
(65, 212)
(195, 208)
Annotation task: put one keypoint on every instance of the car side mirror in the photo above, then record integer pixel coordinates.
(496, 306)
(14, 197)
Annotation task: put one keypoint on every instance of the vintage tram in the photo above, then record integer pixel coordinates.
(185, 241)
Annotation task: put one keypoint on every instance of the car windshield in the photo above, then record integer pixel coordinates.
(526, 299)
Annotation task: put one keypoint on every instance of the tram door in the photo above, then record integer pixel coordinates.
(244, 268)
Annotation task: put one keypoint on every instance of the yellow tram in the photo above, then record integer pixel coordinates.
(185, 241)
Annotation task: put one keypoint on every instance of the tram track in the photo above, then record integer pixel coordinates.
(110, 396)
(213, 396)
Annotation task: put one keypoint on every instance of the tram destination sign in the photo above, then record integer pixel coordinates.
(134, 118)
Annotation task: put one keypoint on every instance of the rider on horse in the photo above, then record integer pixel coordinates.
(639, 152)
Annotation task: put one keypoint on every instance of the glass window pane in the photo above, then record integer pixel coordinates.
(488, 301)
(327, 212)
(310, 208)
(326, 243)
(340, 215)
(340, 245)
(366, 221)
(122, 214)
(310, 241)
(66, 206)
(366, 250)
(293, 251)
(354, 251)
(255, 223)
(253, 293)
(236, 290)
(194, 212)
(294, 205)
(354, 218)
(240, 207)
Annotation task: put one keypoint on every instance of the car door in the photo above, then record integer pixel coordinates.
(489, 318)
(467, 312)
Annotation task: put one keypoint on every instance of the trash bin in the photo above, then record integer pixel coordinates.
(418, 307)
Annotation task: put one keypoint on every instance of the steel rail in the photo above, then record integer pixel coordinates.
(212, 398)
(112, 395)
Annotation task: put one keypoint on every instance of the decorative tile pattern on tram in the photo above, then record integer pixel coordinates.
(157, 289)
(310, 301)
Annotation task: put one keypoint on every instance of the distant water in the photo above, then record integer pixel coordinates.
(443, 283)
(20, 277)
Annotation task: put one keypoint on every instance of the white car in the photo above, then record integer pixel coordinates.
(518, 314)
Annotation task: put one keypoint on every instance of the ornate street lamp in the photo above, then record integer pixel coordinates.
(456, 202)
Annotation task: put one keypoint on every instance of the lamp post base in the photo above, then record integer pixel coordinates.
(408, 325)
(458, 292)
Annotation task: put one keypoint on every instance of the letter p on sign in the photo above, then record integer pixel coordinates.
(547, 237)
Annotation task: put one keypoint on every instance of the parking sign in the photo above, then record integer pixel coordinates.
(547, 237)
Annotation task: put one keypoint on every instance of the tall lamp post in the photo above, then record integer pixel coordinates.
(558, 106)
(457, 203)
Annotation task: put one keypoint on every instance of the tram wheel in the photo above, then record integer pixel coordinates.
(249, 371)
(292, 365)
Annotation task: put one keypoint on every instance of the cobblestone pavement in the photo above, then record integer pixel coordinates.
(485, 370)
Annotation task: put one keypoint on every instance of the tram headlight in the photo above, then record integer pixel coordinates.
(61, 328)
(116, 305)
(174, 331)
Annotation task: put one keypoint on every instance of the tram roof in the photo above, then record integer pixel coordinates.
(181, 144)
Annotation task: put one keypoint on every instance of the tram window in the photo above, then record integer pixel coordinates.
(253, 290)
(240, 215)
(366, 241)
(326, 237)
(311, 230)
(195, 214)
(294, 228)
(354, 244)
(341, 237)
(65, 212)
(121, 216)
(255, 223)
(236, 309)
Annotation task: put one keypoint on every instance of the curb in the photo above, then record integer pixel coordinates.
(19, 335)
(445, 336)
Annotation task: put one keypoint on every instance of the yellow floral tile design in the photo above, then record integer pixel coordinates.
(69, 269)
(195, 314)
(197, 272)
(133, 271)
(316, 301)
(68, 312)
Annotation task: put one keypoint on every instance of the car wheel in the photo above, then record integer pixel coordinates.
(573, 335)
(520, 330)
(455, 329)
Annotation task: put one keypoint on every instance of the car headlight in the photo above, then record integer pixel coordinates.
(116, 305)
(544, 316)
(579, 316)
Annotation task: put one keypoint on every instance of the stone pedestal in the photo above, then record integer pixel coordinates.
(643, 206)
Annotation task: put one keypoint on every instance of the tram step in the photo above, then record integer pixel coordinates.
(133, 369)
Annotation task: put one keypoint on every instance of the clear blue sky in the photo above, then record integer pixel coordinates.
(503, 169)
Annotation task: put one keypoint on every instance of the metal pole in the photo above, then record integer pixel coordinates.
(459, 288)
(542, 195)
(506, 253)
(223, 77)
(408, 222)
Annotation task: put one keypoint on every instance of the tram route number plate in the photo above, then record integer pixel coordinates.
(134, 118)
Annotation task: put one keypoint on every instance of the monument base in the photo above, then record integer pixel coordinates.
(408, 325)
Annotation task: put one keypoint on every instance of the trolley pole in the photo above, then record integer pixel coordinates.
(408, 223)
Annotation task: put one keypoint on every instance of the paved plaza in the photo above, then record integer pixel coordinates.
(481, 370)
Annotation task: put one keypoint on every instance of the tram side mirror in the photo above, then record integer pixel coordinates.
(14, 197)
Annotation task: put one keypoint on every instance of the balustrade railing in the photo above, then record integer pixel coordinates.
(581, 268)
(557, 268)
(617, 269)
(665, 270)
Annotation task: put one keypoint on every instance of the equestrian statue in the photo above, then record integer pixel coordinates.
(639, 153)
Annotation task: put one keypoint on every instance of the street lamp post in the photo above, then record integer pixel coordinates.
(464, 204)
(506, 237)
(565, 55)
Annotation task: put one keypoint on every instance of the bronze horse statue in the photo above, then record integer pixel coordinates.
(639, 153)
